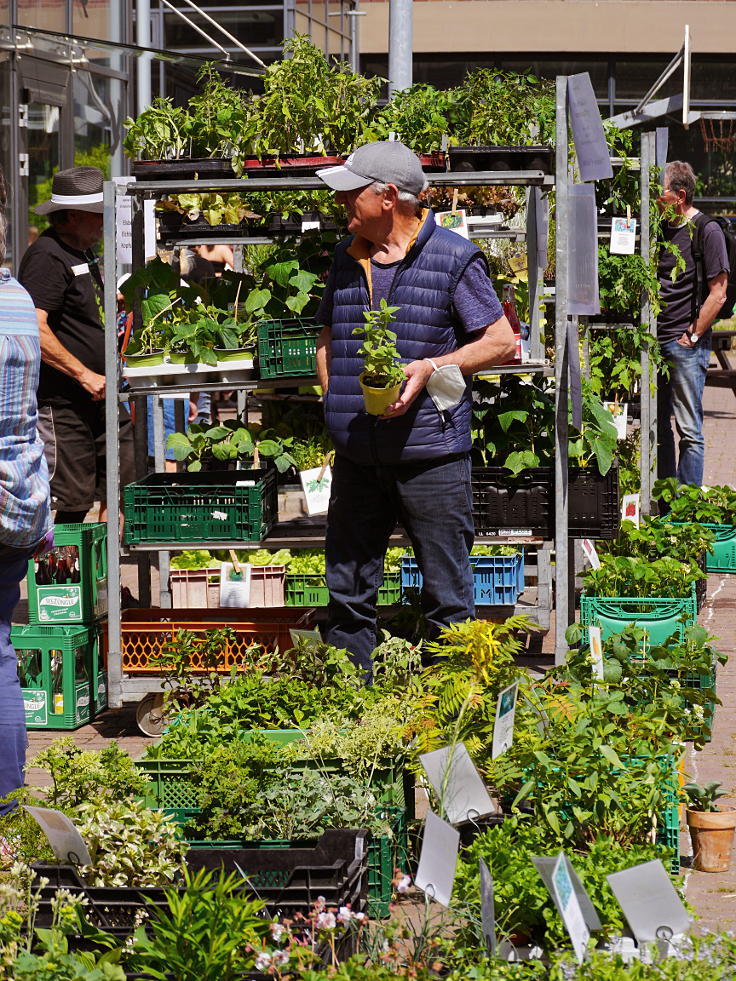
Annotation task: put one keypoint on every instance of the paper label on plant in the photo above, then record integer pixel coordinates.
(65, 840)
(650, 903)
(503, 728)
(631, 508)
(311, 636)
(620, 413)
(623, 236)
(487, 908)
(317, 484)
(438, 859)
(235, 586)
(569, 907)
(454, 221)
(311, 224)
(590, 553)
(596, 651)
(457, 783)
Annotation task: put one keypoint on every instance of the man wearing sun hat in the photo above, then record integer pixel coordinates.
(411, 465)
(60, 270)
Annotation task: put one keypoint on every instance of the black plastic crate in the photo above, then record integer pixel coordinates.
(526, 503)
(502, 158)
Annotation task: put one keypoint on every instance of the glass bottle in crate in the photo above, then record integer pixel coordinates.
(57, 681)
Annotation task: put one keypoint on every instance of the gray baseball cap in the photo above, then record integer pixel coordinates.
(388, 161)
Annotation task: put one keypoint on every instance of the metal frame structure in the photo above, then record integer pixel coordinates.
(122, 688)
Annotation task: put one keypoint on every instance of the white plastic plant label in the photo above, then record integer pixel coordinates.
(623, 236)
(311, 636)
(453, 221)
(565, 897)
(620, 413)
(235, 586)
(65, 840)
(457, 783)
(590, 553)
(316, 484)
(596, 651)
(311, 224)
(503, 728)
(438, 859)
(631, 508)
(650, 903)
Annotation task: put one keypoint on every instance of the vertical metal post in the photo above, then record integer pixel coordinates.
(562, 612)
(648, 424)
(140, 431)
(114, 656)
(159, 462)
(536, 263)
(400, 45)
(354, 16)
(143, 40)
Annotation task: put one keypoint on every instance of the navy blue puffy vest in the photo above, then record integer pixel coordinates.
(426, 326)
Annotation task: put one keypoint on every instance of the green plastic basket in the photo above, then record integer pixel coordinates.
(226, 506)
(71, 602)
(390, 592)
(306, 590)
(723, 557)
(287, 348)
(56, 667)
(659, 616)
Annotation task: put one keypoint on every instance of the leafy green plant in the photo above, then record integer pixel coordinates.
(224, 122)
(188, 663)
(381, 362)
(229, 441)
(159, 132)
(622, 575)
(79, 776)
(417, 116)
(623, 280)
(129, 844)
(614, 360)
(655, 537)
(503, 108)
(688, 502)
(703, 797)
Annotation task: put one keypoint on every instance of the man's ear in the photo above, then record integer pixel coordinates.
(390, 197)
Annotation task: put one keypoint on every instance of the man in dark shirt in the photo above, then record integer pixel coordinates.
(684, 326)
(60, 271)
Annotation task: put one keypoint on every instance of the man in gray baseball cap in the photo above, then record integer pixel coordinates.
(412, 464)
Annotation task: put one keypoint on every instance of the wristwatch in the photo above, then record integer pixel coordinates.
(694, 338)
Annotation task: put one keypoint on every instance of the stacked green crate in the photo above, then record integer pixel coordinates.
(61, 661)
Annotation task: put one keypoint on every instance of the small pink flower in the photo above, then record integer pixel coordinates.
(326, 921)
(263, 961)
(277, 931)
(280, 958)
(403, 884)
(359, 917)
(345, 915)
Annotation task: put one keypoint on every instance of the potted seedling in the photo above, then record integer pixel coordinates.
(382, 375)
(147, 349)
(711, 827)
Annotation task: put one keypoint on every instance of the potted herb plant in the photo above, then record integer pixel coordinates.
(147, 349)
(382, 375)
(711, 827)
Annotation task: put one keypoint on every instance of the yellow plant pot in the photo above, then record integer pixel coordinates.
(377, 400)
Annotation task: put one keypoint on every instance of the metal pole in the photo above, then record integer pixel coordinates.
(143, 40)
(353, 16)
(562, 178)
(159, 462)
(400, 45)
(114, 647)
(648, 422)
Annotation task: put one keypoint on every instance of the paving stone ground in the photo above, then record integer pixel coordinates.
(712, 895)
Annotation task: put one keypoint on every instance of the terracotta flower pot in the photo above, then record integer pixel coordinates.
(377, 400)
(712, 837)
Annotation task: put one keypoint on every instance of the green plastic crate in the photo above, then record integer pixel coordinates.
(99, 669)
(723, 557)
(225, 506)
(390, 592)
(66, 601)
(659, 616)
(668, 834)
(306, 590)
(55, 668)
(287, 348)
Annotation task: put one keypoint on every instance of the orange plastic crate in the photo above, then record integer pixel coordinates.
(144, 632)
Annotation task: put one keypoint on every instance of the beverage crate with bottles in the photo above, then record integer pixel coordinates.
(69, 583)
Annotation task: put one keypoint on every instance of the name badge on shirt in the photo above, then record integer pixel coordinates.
(81, 269)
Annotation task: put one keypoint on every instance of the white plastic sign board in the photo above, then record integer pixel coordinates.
(590, 553)
(438, 859)
(487, 908)
(596, 651)
(235, 586)
(453, 221)
(620, 413)
(623, 236)
(582, 276)
(311, 636)
(545, 867)
(631, 508)
(66, 842)
(503, 727)
(124, 225)
(316, 484)
(591, 149)
(650, 903)
(457, 783)
(565, 897)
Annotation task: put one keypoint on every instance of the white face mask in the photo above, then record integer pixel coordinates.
(446, 385)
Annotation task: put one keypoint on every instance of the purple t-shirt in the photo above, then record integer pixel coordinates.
(678, 298)
(475, 302)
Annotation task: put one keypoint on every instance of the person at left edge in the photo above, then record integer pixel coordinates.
(25, 513)
(61, 273)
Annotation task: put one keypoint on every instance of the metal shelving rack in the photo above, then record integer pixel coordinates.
(122, 687)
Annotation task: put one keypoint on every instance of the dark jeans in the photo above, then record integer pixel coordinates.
(432, 499)
(13, 737)
(681, 395)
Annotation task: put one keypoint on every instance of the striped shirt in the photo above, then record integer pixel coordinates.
(25, 514)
